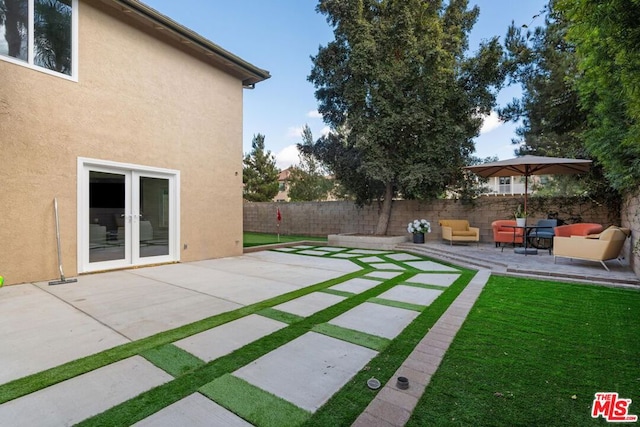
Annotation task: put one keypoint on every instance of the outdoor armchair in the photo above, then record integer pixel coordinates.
(458, 230)
(607, 246)
(542, 238)
(504, 232)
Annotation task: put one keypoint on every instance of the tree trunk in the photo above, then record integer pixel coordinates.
(385, 212)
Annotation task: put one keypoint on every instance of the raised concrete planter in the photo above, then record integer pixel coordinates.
(365, 241)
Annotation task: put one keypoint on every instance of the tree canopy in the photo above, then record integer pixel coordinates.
(606, 36)
(259, 173)
(402, 99)
(308, 181)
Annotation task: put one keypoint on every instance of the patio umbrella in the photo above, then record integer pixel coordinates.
(531, 165)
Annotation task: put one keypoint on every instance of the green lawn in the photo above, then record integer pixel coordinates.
(257, 239)
(534, 353)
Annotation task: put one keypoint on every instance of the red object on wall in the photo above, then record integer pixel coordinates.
(278, 215)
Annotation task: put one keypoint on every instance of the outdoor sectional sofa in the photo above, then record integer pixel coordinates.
(606, 246)
(578, 229)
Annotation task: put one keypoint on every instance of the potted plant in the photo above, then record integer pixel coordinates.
(418, 227)
(521, 216)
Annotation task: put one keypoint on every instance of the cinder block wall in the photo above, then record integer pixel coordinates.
(630, 215)
(323, 218)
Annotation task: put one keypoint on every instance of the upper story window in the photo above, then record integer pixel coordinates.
(39, 33)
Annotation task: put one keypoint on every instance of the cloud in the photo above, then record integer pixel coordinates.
(325, 131)
(314, 114)
(295, 132)
(490, 123)
(287, 157)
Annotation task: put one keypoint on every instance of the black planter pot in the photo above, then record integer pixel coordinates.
(418, 238)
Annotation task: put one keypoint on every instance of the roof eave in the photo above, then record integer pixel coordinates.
(245, 71)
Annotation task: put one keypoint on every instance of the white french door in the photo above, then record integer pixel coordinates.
(127, 215)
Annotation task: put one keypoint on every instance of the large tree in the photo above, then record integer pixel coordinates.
(401, 98)
(543, 62)
(259, 173)
(607, 40)
(308, 181)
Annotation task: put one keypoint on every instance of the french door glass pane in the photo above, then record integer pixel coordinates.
(154, 216)
(106, 216)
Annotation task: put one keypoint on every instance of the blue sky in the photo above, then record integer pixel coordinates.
(281, 36)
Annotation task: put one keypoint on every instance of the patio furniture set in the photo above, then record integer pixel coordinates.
(584, 241)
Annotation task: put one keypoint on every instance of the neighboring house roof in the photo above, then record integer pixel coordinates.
(163, 27)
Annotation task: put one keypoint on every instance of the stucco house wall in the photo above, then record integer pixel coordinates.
(138, 99)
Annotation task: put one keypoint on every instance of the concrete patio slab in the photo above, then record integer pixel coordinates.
(430, 266)
(137, 306)
(40, 331)
(356, 286)
(376, 319)
(224, 339)
(74, 400)
(195, 410)
(434, 279)
(310, 304)
(308, 370)
(411, 295)
(289, 260)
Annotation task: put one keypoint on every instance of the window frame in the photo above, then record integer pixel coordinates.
(30, 62)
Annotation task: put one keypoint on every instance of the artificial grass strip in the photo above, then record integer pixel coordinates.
(280, 316)
(398, 304)
(535, 352)
(338, 293)
(254, 404)
(362, 339)
(172, 359)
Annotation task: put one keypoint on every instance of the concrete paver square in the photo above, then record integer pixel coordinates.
(368, 251)
(383, 274)
(345, 255)
(411, 294)
(330, 249)
(371, 259)
(312, 252)
(308, 370)
(76, 399)
(356, 286)
(39, 331)
(289, 249)
(403, 257)
(194, 410)
(430, 266)
(224, 339)
(376, 319)
(434, 279)
(387, 266)
(309, 304)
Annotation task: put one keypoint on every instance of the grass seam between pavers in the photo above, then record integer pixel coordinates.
(272, 409)
(398, 304)
(363, 339)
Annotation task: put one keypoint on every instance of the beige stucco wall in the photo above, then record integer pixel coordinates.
(136, 100)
